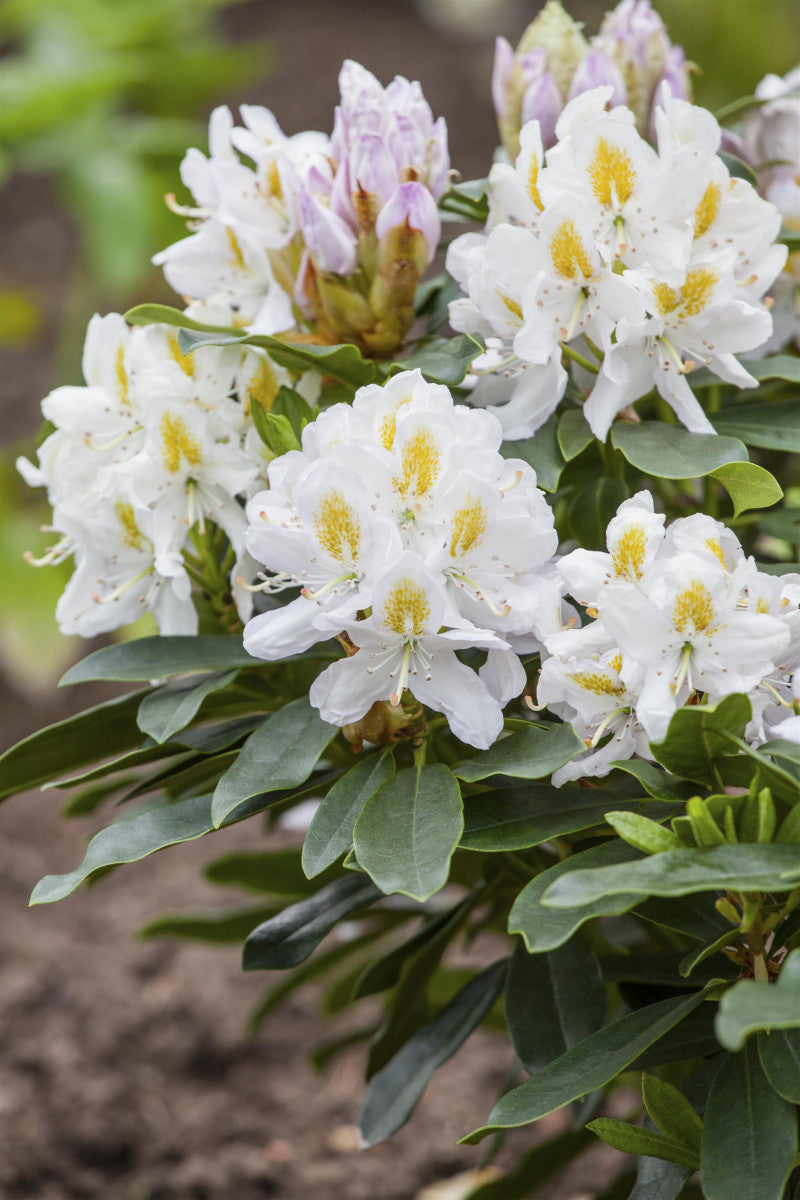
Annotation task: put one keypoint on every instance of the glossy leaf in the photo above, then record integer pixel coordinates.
(592, 509)
(671, 1112)
(219, 926)
(169, 709)
(384, 972)
(443, 360)
(748, 485)
(742, 868)
(343, 362)
(779, 1051)
(631, 1139)
(574, 433)
(695, 738)
(534, 1168)
(770, 426)
(657, 783)
(395, 1090)
(642, 832)
(541, 452)
(552, 1001)
(671, 452)
(164, 314)
(468, 199)
(749, 1133)
(587, 1066)
(331, 830)
(277, 872)
(281, 753)
(530, 753)
(159, 657)
(408, 830)
(546, 928)
(749, 1006)
(290, 937)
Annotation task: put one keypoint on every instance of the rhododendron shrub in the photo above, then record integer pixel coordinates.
(507, 620)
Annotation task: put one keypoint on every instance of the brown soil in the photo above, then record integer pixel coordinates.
(125, 1073)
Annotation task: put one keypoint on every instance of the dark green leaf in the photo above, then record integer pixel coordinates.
(631, 1139)
(384, 972)
(770, 426)
(695, 916)
(275, 430)
(749, 1006)
(779, 1052)
(743, 868)
(531, 753)
(695, 738)
(291, 936)
(273, 871)
(592, 509)
(218, 926)
(671, 452)
(331, 830)
(657, 783)
(163, 314)
(159, 657)
(553, 1001)
(534, 1168)
(468, 199)
(443, 360)
(541, 452)
(784, 525)
(343, 362)
(737, 168)
(100, 732)
(749, 1133)
(546, 928)
(587, 1066)
(394, 1091)
(574, 434)
(281, 753)
(408, 830)
(169, 709)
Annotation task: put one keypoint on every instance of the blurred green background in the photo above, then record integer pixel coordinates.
(101, 98)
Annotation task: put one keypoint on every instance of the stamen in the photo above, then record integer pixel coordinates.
(394, 699)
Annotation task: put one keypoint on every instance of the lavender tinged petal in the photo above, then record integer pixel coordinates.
(411, 204)
(598, 70)
(501, 76)
(327, 236)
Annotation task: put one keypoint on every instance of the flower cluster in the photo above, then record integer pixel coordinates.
(156, 444)
(328, 233)
(679, 614)
(411, 537)
(593, 253)
(554, 63)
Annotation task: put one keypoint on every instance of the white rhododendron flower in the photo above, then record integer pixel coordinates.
(678, 615)
(592, 254)
(405, 530)
(154, 447)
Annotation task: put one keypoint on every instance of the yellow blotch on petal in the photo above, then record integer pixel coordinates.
(263, 385)
(688, 300)
(388, 424)
(132, 535)
(407, 608)
(470, 523)
(762, 605)
(338, 527)
(533, 184)
(707, 210)
(123, 383)
(611, 173)
(177, 444)
(184, 361)
(615, 663)
(513, 307)
(693, 610)
(420, 464)
(568, 253)
(236, 250)
(628, 555)
(713, 544)
(599, 685)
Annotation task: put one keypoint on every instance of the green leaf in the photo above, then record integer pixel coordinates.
(218, 926)
(779, 1052)
(546, 928)
(274, 429)
(531, 753)
(737, 168)
(749, 1006)
(159, 657)
(587, 1066)
(657, 783)
(142, 834)
(671, 452)
(171, 708)
(281, 753)
(742, 868)
(695, 738)
(342, 362)
(695, 916)
(541, 452)
(574, 434)
(672, 1113)
(534, 1168)
(518, 817)
(592, 509)
(631, 1139)
(443, 360)
(749, 1133)
(331, 830)
(273, 871)
(408, 830)
(289, 938)
(384, 972)
(748, 485)
(553, 1001)
(769, 426)
(164, 314)
(468, 199)
(101, 732)
(695, 957)
(784, 524)
(642, 833)
(395, 1090)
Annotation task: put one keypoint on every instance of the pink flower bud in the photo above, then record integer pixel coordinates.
(411, 204)
(327, 236)
(598, 70)
(501, 77)
(541, 100)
